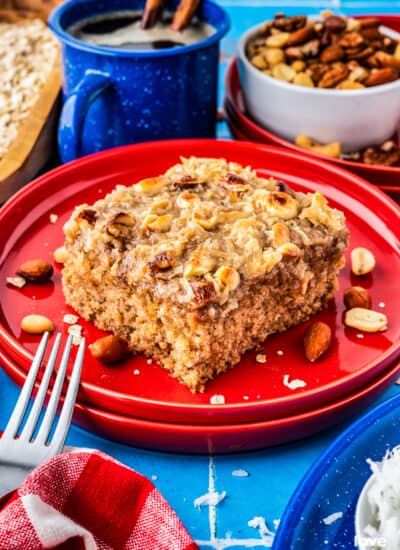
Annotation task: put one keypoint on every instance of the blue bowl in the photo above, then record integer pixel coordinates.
(334, 483)
(114, 96)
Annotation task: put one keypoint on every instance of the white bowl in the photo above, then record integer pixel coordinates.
(356, 118)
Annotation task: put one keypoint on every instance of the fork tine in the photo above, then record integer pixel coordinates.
(51, 410)
(23, 399)
(64, 421)
(33, 417)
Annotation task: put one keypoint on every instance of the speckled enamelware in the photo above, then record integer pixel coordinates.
(114, 97)
(321, 512)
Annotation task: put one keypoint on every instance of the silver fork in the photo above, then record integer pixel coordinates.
(20, 455)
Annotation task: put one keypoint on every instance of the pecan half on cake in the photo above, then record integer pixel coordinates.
(198, 265)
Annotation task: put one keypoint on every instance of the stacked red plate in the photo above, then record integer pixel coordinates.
(136, 401)
(243, 127)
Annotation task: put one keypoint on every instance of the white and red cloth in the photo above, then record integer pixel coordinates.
(85, 500)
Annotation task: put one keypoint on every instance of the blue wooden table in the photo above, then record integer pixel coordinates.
(255, 500)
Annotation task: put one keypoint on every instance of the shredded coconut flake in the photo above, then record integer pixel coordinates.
(240, 473)
(70, 319)
(18, 282)
(149, 361)
(75, 330)
(53, 218)
(246, 397)
(360, 336)
(381, 304)
(211, 498)
(293, 384)
(136, 372)
(332, 517)
(279, 352)
(217, 399)
(76, 339)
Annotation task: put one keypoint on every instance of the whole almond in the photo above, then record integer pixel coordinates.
(366, 320)
(36, 324)
(362, 261)
(300, 37)
(317, 339)
(381, 76)
(109, 349)
(356, 296)
(35, 271)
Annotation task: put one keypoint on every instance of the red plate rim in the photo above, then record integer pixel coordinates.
(232, 81)
(209, 438)
(359, 188)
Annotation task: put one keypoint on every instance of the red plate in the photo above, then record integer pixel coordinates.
(234, 107)
(205, 439)
(252, 391)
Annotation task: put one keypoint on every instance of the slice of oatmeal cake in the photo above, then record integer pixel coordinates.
(202, 263)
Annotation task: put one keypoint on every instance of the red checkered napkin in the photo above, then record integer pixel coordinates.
(86, 500)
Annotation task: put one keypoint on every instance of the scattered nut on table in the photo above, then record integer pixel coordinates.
(366, 320)
(60, 254)
(317, 340)
(109, 349)
(362, 261)
(37, 324)
(35, 271)
(356, 296)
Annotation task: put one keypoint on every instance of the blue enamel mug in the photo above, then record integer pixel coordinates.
(114, 96)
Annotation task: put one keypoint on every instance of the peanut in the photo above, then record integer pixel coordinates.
(303, 79)
(60, 255)
(36, 324)
(365, 320)
(277, 40)
(283, 72)
(362, 261)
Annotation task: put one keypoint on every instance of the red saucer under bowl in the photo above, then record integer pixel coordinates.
(252, 391)
(235, 108)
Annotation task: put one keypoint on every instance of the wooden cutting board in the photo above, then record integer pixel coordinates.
(36, 141)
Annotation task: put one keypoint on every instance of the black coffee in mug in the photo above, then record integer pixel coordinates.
(122, 30)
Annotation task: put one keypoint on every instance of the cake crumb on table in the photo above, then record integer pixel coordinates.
(136, 372)
(53, 218)
(261, 358)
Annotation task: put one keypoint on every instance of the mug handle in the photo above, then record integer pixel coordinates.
(74, 112)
